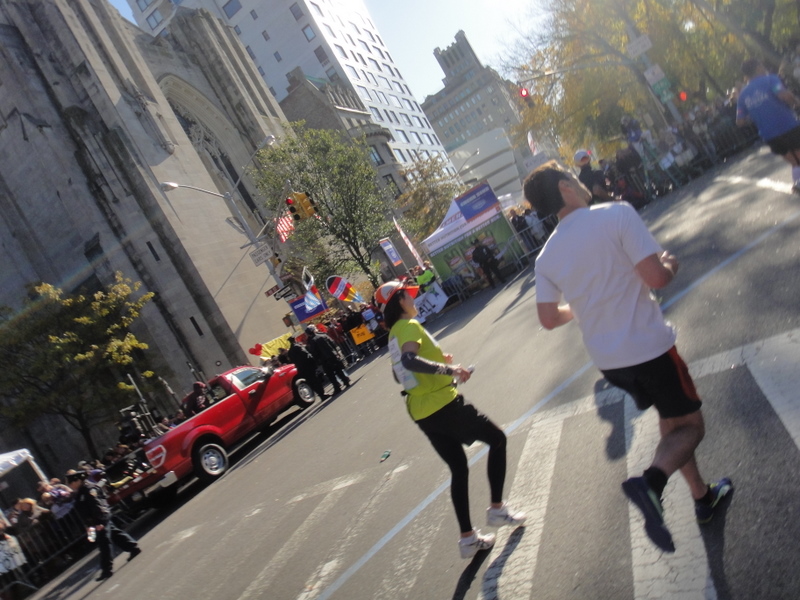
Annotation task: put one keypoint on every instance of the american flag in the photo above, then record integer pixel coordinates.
(284, 226)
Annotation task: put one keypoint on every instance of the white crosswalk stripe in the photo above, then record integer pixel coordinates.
(512, 563)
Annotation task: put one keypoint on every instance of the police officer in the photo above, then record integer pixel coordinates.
(90, 502)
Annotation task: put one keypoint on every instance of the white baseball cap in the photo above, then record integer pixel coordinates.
(580, 155)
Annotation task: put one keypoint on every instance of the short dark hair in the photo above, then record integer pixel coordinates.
(393, 310)
(541, 190)
(750, 66)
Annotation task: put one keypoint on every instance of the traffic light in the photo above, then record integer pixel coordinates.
(307, 205)
(525, 94)
(275, 260)
(294, 208)
(683, 96)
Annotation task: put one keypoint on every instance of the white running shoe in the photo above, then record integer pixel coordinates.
(505, 515)
(473, 544)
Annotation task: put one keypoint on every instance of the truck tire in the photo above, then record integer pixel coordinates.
(210, 461)
(303, 394)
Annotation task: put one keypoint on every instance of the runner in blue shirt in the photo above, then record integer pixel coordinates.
(766, 102)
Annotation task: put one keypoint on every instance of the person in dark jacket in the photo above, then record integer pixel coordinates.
(487, 262)
(326, 353)
(306, 367)
(91, 506)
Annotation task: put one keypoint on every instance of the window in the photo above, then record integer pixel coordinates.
(418, 122)
(261, 71)
(375, 156)
(374, 64)
(321, 55)
(396, 85)
(330, 31)
(369, 35)
(363, 92)
(144, 3)
(384, 82)
(354, 27)
(382, 97)
(296, 11)
(231, 8)
(352, 72)
(428, 139)
(196, 326)
(272, 91)
(395, 100)
(155, 19)
(415, 137)
(388, 69)
(333, 74)
(378, 50)
(364, 45)
(342, 52)
(376, 113)
(391, 116)
(391, 185)
(400, 156)
(253, 14)
(265, 35)
(405, 119)
(153, 251)
(278, 56)
(402, 135)
(237, 29)
(371, 78)
(317, 9)
(308, 31)
(408, 104)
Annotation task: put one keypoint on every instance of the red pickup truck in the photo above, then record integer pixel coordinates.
(240, 401)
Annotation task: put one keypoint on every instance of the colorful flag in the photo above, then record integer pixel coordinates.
(342, 289)
(312, 297)
(285, 227)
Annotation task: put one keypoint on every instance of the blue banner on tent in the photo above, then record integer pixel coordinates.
(477, 201)
(298, 306)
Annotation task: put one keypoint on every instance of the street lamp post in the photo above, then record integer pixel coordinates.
(242, 225)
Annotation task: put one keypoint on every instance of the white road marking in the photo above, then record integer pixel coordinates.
(259, 587)
(363, 519)
(512, 570)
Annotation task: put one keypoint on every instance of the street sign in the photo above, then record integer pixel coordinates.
(654, 74)
(639, 46)
(284, 292)
(272, 290)
(261, 254)
(662, 86)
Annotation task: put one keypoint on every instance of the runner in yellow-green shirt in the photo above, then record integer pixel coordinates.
(428, 377)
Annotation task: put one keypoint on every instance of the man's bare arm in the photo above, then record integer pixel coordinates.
(657, 271)
(551, 315)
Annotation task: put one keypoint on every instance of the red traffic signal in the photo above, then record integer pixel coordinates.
(293, 209)
(683, 96)
(524, 93)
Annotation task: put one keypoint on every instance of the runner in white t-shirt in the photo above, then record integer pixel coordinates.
(603, 261)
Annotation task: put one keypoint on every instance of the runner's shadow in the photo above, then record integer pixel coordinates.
(492, 573)
(610, 403)
(713, 535)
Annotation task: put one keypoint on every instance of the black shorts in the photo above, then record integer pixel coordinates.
(663, 382)
(786, 142)
(458, 420)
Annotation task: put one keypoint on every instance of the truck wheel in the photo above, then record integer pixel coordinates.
(210, 461)
(303, 394)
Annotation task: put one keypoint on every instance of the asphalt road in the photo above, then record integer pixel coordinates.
(310, 511)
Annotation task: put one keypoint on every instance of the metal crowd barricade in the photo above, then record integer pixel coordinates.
(36, 554)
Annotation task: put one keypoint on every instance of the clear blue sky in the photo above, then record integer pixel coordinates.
(411, 30)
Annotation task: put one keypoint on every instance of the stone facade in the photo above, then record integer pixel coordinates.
(94, 114)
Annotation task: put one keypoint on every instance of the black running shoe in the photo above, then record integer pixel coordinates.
(647, 501)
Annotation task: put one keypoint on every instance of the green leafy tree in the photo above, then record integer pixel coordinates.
(429, 191)
(66, 355)
(335, 171)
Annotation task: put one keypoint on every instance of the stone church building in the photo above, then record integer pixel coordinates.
(94, 115)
